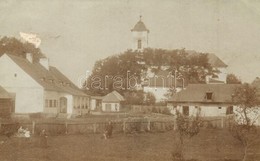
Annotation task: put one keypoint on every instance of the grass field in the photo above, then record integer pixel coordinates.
(209, 145)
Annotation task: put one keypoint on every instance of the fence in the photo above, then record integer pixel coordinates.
(58, 128)
(219, 122)
(127, 125)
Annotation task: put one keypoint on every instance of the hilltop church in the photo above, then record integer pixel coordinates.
(140, 39)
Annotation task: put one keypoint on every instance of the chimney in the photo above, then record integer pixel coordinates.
(44, 62)
(29, 57)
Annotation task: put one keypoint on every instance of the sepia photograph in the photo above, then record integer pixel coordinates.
(129, 80)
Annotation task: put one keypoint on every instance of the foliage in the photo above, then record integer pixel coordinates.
(232, 79)
(134, 97)
(193, 67)
(186, 127)
(245, 98)
(13, 46)
(244, 129)
(139, 98)
(149, 99)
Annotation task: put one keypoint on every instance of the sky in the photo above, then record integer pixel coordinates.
(77, 33)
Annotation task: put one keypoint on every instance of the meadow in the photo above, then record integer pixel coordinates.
(208, 145)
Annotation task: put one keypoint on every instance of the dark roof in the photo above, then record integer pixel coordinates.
(113, 97)
(51, 79)
(4, 94)
(140, 26)
(213, 60)
(195, 93)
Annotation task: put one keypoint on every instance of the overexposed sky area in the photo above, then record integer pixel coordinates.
(76, 33)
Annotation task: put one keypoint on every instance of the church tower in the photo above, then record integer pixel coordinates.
(139, 36)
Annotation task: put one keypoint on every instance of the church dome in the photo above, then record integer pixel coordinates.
(140, 27)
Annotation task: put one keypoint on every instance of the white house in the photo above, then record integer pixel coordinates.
(112, 102)
(38, 87)
(209, 99)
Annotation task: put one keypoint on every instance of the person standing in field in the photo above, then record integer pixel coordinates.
(43, 139)
(108, 130)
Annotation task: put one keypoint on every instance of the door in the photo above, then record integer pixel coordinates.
(63, 105)
(108, 107)
(185, 110)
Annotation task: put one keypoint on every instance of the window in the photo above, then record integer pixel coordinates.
(209, 95)
(139, 44)
(230, 110)
(50, 103)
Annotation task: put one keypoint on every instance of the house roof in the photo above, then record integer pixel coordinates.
(113, 97)
(195, 93)
(140, 26)
(213, 60)
(4, 94)
(51, 79)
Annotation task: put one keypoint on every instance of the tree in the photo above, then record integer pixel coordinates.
(247, 111)
(232, 79)
(187, 127)
(193, 67)
(13, 46)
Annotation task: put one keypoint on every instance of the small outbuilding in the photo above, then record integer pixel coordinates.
(112, 102)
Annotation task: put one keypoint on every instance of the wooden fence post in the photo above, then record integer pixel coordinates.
(33, 127)
(95, 128)
(149, 125)
(124, 127)
(222, 122)
(66, 127)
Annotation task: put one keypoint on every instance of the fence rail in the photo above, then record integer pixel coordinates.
(119, 126)
(90, 127)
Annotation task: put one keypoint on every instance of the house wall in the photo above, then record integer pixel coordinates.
(29, 94)
(205, 110)
(158, 92)
(115, 106)
(81, 105)
(93, 104)
(222, 75)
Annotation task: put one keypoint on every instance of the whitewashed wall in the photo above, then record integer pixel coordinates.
(113, 107)
(29, 94)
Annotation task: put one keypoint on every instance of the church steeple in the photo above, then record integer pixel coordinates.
(139, 36)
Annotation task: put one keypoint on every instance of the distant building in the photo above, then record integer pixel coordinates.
(112, 102)
(39, 87)
(208, 99)
(139, 36)
(160, 83)
(218, 65)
